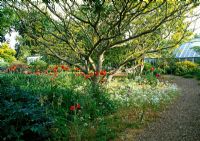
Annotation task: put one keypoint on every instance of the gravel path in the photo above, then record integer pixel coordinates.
(181, 121)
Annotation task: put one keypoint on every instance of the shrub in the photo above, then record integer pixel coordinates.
(3, 65)
(17, 67)
(21, 116)
(185, 67)
(7, 53)
(38, 65)
(69, 100)
(147, 66)
(188, 76)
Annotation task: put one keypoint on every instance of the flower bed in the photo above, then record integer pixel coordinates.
(66, 105)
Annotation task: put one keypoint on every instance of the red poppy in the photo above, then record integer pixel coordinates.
(14, 68)
(72, 108)
(157, 75)
(77, 69)
(66, 68)
(78, 106)
(103, 72)
(87, 76)
(55, 69)
(152, 69)
(96, 73)
(63, 67)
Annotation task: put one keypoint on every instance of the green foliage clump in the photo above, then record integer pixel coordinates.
(147, 66)
(22, 117)
(69, 102)
(20, 66)
(6, 53)
(3, 65)
(39, 65)
(185, 67)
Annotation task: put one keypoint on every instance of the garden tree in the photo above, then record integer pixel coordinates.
(8, 22)
(86, 33)
(6, 53)
(7, 18)
(28, 46)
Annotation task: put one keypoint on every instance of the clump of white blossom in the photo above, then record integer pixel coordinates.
(130, 92)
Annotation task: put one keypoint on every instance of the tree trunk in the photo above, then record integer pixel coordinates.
(99, 68)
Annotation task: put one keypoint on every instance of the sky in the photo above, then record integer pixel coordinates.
(11, 38)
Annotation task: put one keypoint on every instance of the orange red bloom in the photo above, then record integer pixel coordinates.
(152, 69)
(75, 107)
(78, 106)
(157, 75)
(65, 68)
(72, 108)
(77, 69)
(103, 72)
(96, 73)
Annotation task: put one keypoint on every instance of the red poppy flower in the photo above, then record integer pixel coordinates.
(157, 75)
(152, 69)
(55, 69)
(78, 106)
(66, 68)
(63, 67)
(103, 72)
(96, 73)
(72, 108)
(87, 76)
(14, 68)
(77, 69)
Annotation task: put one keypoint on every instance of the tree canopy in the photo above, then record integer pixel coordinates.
(7, 18)
(89, 34)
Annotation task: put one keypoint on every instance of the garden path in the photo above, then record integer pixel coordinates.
(181, 121)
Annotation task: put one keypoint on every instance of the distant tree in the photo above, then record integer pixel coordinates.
(7, 18)
(89, 34)
(6, 53)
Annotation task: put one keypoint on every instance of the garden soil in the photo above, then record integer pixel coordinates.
(181, 120)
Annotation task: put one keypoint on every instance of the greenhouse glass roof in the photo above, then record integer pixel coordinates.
(186, 50)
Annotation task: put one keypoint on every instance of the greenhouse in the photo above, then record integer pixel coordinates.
(186, 51)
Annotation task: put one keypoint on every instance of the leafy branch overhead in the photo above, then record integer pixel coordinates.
(89, 34)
